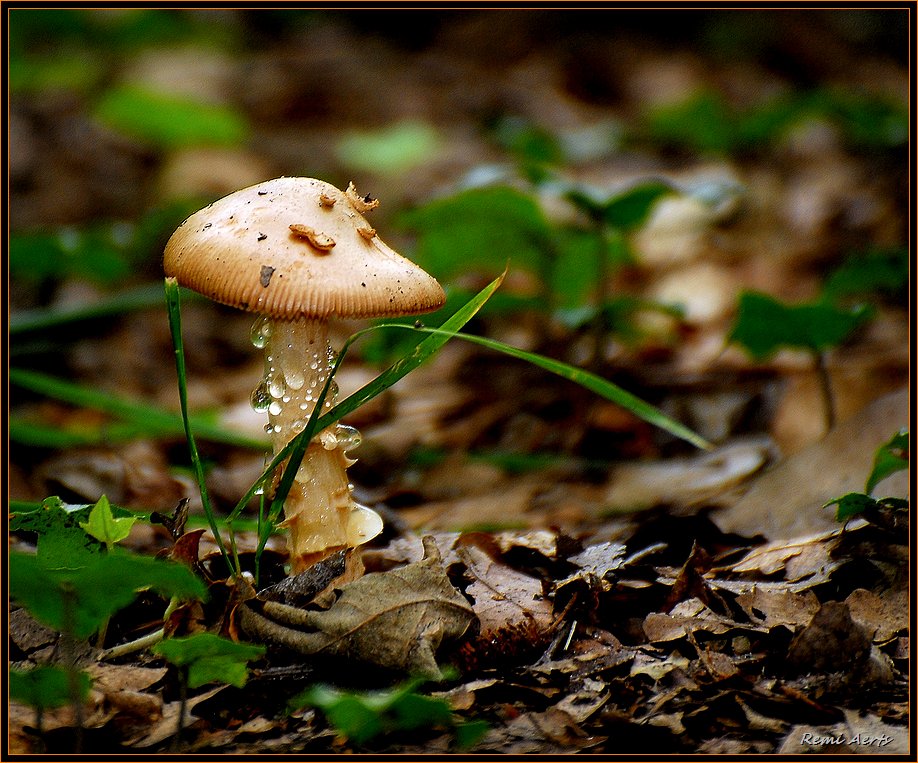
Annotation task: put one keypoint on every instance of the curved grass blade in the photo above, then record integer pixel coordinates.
(590, 381)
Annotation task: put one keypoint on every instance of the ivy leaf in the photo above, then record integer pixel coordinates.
(103, 526)
(210, 658)
(78, 601)
(763, 324)
(891, 457)
(46, 686)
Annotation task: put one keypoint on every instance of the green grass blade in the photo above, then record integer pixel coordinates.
(147, 419)
(146, 296)
(386, 379)
(584, 378)
(175, 326)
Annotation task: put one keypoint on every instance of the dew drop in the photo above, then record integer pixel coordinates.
(261, 331)
(285, 399)
(348, 437)
(269, 428)
(261, 398)
(305, 406)
(295, 379)
(299, 425)
(277, 429)
(274, 408)
(276, 386)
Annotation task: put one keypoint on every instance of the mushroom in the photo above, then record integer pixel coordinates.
(299, 252)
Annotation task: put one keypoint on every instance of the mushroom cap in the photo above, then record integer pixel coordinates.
(295, 248)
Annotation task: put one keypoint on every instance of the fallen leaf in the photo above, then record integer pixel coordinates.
(775, 607)
(785, 501)
(832, 642)
(395, 619)
(886, 614)
(512, 610)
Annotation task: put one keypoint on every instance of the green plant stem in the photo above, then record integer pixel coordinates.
(825, 384)
(130, 647)
(183, 708)
(175, 324)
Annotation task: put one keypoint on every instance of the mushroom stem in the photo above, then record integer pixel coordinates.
(319, 512)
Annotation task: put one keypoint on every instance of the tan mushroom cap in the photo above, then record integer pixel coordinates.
(293, 248)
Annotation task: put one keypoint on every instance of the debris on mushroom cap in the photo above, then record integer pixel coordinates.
(320, 241)
(322, 260)
(361, 203)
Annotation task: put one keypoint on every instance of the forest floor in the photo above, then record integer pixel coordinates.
(626, 593)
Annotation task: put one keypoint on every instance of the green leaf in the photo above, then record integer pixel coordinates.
(210, 658)
(168, 121)
(880, 272)
(480, 229)
(46, 686)
(103, 526)
(396, 148)
(78, 601)
(701, 123)
(763, 325)
(891, 457)
(630, 208)
(853, 504)
(360, 716)
(61, 540)
(850, 505)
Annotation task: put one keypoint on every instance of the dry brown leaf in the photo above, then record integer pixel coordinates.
(807, 557)
(687, 617)
(779, 607)
(506, 601)
(886, 614)
(832, 642)
(395, 619)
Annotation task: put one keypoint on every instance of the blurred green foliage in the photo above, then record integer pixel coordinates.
(764, 325)
(882, 273)
(361, 716)
(706, 123)
(393, 149)
(168, 121)
(47, 686)
(210, 658)
(105, 253)
(77, 600)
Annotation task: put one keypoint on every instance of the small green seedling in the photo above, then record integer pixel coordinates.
(104, 526)
(890, 457)
(764, 325)
(361, 716)
(206, 658)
